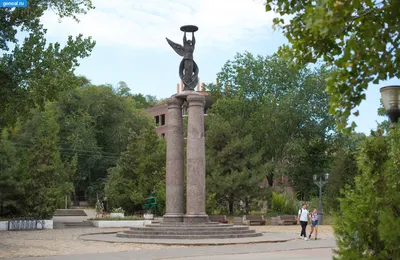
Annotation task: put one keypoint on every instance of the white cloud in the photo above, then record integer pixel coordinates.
(146, 23)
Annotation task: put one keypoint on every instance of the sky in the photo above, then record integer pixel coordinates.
(131, 45)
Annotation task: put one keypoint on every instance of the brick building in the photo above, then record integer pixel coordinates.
(160, 111)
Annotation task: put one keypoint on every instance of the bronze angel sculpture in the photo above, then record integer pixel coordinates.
(188, 70)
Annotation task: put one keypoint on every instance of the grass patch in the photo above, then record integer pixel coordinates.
(113, 219)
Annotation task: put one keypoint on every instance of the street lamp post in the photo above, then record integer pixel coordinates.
(320, 183)
(391, 102)
(66, 197)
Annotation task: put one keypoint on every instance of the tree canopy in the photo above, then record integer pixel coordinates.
(270, 120)
(359, 39)
(69, 147)
(35, 178)
(32, 70)
(139, 171)
(95, 122)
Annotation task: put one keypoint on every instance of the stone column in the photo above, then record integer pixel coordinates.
(174, 162)
(196, 174)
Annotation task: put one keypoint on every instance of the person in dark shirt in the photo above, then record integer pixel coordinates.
(105, 208)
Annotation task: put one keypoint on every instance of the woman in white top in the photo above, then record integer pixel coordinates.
(303, 220)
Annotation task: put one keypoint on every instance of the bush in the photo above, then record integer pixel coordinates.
(118, 210)
(281, 204)
(211, 203)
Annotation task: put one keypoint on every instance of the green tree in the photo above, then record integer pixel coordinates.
(10, 191)
(139, 171)
(358, 38)
(95, 124)
(343, 168)
(33, 71)
(369, 225)
(233, 163)
(283, 110)
(314, 159)
(44, 177)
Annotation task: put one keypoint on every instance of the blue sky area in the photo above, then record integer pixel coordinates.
(131, 43)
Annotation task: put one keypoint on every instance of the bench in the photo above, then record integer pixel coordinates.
(253, 220)
(218, 218)
(287, 220)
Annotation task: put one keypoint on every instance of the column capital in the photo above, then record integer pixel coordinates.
(196, 100)
(174, 102)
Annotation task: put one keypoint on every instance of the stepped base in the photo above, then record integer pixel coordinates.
(173, 218)
(209, 230)
(195, 219)
(69, 213)
(83, 224)
(193, 236)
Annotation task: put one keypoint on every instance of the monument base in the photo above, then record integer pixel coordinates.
(173, 218)
(196, 219)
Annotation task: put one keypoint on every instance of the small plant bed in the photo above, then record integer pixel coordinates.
(115, 219)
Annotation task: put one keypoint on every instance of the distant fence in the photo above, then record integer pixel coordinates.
(25, 224)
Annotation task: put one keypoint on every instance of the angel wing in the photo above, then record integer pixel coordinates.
(177, 47)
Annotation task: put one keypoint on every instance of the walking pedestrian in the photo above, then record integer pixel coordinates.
(314, 223)
(302, 219)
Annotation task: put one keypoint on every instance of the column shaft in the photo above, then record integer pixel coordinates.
(196, 174)
(174, 162)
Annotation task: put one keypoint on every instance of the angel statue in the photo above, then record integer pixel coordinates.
(188, 70)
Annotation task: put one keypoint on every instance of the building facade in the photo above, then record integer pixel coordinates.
(160, 112)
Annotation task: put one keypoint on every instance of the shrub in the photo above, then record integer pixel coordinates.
(282, 204)
(118, 210)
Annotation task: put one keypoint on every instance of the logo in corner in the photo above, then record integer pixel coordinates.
(13, 3)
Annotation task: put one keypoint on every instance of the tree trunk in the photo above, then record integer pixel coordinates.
(231, 211)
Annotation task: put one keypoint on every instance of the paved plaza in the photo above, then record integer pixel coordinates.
(66, 244)
(290, 250)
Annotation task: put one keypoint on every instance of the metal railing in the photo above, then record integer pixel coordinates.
(25, 224)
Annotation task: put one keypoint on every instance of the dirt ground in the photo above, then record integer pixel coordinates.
(60, 242)
(66, 241)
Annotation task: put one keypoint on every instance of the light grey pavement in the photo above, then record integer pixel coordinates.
(296, 249)
(310, 254)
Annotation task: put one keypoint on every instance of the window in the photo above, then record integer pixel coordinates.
(157, 120)
(163, 119)
(163, 135)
